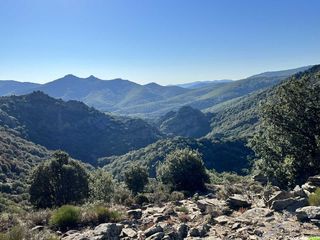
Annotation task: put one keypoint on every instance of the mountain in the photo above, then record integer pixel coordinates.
(152, 100)
(84, 132)
(186, 122)
(218, 155)
(239, 117)
(199, 84)
(10, 87)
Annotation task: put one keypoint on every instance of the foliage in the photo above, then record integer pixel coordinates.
(59, 181)
(101, 186)
(98, 213)
(219, 155)
(72, 126)
(314, 198)
(65, 217)
(136, 177)
(183, 169)
(288, 141)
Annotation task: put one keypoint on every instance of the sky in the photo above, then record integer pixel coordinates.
(163, 41)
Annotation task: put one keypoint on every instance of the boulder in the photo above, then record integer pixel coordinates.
(289, 204)
(308, 213)
(194, 232)
(183, 230)
(109, 231)
(152, 230)
(135, 213)
(260, 178)
(238, 201)
(314, 180)
(255, 213)
(279, 195)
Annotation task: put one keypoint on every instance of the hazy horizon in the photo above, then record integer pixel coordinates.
(167, 42)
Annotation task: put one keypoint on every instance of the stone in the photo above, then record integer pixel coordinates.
(194, 232)
(183, 230)
(260, 178)
(156, 236)
(152, 230)
(205, 204)
(37, 228)
(235, 226)
(129, 232)
(257, 213)
(314, 180)
(279, 195)
(289, 204)
(109, 231)
(222, 219)
(238, 201)
(135, 213)
(308, 213)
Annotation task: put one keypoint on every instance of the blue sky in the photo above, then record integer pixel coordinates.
(164, 41)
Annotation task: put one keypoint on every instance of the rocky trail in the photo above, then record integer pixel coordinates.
(274, 214)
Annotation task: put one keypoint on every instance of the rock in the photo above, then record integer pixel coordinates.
(135, 213)
(308, 213)
(37, 228)
(194, 232)
(222, 219)
(279, 195)
(206, 204)
(238, 201)
(257, 213)
(260, 178)
(153, 230)
(128, 232)
(235, 226)
(314, 180)
(156, 236)
(109, 231)
(290, 204)
(183, 230)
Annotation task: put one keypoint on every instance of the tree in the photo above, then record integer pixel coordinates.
(136, 177)
(288, 141)
(101, 186)
(183, 169)
(59, 181)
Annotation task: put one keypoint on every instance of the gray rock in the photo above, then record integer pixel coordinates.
(194, 232)
(183, 230)
(109, 231)
(128, 232)
(290, 204)
(314, 180)
(37, 228)
(260, 178)
(156, 236)
(238, 201)
(308, 213)
(152, 230)
(135, 213)
(279, 195)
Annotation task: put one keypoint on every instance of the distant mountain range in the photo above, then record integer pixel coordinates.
(199, 84)
(150, 100)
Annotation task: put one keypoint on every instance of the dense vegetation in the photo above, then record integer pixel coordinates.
(186, 122)
(220, 155)
(59, 181)
(183, 170)
(288, 140)
(83, 132)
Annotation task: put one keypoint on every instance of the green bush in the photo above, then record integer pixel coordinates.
(65, 217)
(183, 170)
(101, 186)
(15, 233)
(96, 214)
(136, 178)
(314, 198)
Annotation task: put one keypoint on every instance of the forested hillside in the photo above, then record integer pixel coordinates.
(72, 126)
(230, 156)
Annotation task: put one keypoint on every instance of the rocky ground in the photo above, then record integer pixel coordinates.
(274, 214)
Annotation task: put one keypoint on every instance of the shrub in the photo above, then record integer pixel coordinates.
(136, 178)
(59, 181)
(314, 198)
(141, 199)
(15, 233)
(96, 214)
(65, 217)
(101, 186)
(182, 209)
(183, 169)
